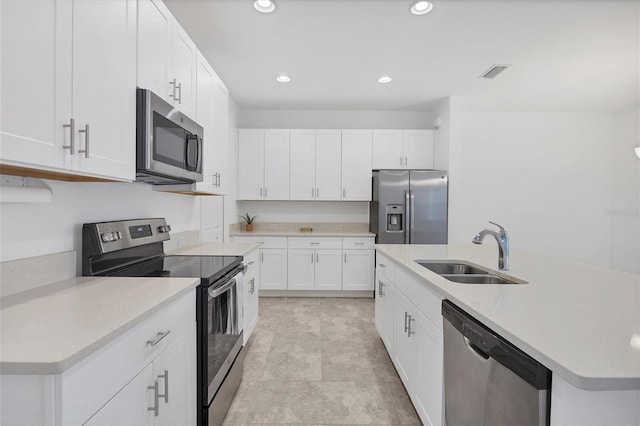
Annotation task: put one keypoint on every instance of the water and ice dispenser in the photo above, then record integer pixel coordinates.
(395, 217)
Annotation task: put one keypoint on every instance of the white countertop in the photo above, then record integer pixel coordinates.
(575, 319)
(217, 249)
(73, 318)
(288, 233)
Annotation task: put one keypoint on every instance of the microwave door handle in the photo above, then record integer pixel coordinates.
(191, 138)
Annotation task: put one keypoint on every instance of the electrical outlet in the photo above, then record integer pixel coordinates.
(180, 240)
(273, 226)
(340, 227)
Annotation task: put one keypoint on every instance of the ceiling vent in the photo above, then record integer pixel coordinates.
(494, 71)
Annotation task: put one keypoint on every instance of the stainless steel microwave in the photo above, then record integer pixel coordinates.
(168, 143)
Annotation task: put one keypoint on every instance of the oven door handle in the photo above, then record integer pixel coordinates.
(223, 288)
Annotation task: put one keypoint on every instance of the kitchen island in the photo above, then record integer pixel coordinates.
(579, 321)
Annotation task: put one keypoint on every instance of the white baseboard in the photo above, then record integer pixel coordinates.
(316, 293)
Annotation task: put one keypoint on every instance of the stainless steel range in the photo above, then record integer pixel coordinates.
(133, 248)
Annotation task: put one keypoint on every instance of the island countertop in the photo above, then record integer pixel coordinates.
(580, 321)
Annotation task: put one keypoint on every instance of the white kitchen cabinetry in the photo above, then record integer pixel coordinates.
(263, 164)
(402, 149)
(358, 264)
(273, 260)
(315, 263)
(167, 57)
(315, 156)
(116, 384)
(356, 165)
(251, 286)
(416, 333)
(84, 120)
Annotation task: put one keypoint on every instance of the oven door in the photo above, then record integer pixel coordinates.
(224, 332)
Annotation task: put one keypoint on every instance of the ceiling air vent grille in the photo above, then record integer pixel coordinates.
(494, 71)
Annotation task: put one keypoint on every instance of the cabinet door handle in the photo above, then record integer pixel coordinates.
(317, 192)
(409, 331)
(311, 257)
(400, 161)
(159, 337)
(265, 192)
(173, 93)
(344, 192)
(219, 180)
(180, 93)
(164, 395)
(406, 317)
(253, 285)
(260, 192)
(405, 161)
(262, 257)
(316, 257)
(382, 265)
(380, 285)
(72, 136)
(345, 258)
(86, 141)
(156, 398)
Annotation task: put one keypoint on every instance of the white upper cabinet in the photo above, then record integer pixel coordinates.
(32, 132)
(263, 164)
(402, 149)
(104, 98)
(218, 139)
(303, 165)
(328, 164)
(356, 165)
(251, 164)
(167, 57)
(154, 34)
(315, 162)
(84, 120)
(276, 164)
(418, 149)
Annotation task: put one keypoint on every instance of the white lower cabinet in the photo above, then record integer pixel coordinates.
(404, 314)
(357, 270)
(146, 376)
(273, 269)
(314, 269)
(251, 286)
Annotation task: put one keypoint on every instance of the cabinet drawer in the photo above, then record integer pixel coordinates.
(385, 267)
(357, 243)
(315, 243)
(426, 300)
(90, 383)
(267, 242)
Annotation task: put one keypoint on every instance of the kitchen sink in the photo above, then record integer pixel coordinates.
(481, 279)
(465, 273)
(452, 268)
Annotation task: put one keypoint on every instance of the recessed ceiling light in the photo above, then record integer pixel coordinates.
(384, 79)
(421, 8)
(264, 6)
(283, 78)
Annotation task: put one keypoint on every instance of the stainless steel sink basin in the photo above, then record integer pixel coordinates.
(481, 279)
(464, 273)
(452, 268)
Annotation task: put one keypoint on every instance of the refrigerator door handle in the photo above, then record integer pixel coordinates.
(412, 202)
(407, 208)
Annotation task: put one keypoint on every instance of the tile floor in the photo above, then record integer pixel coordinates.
(319, 361)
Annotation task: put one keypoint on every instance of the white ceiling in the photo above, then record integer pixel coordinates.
(575, 55)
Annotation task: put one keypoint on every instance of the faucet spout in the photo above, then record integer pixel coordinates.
(502, 238)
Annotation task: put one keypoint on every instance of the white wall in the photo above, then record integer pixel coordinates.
(304, 119)
(230, 209)
(441, 135)
(624, 210)
(545, 176)
(37, 229)
(306, 211)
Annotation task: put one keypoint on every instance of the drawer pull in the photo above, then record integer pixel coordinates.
(382, 265)
(158, 338)
(359, 244)
(315, 244)
(165, 395)
(156, 398)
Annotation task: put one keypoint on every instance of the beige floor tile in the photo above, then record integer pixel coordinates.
(260, 340)
(288, 402)
(357, 403)
(402, 403)
(296, 366)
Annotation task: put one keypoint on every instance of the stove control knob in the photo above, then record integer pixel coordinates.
(164, 229)
(107, 237)
(117, 236)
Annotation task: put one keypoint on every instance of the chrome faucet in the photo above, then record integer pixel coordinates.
(503, 244)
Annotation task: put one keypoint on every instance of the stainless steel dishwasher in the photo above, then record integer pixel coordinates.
(487, 380)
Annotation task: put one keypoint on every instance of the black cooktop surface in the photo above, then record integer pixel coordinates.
(209, 268)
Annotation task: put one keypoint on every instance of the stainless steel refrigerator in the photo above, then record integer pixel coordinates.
(409, 206)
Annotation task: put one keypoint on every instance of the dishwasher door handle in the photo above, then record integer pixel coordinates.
(479, 352)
